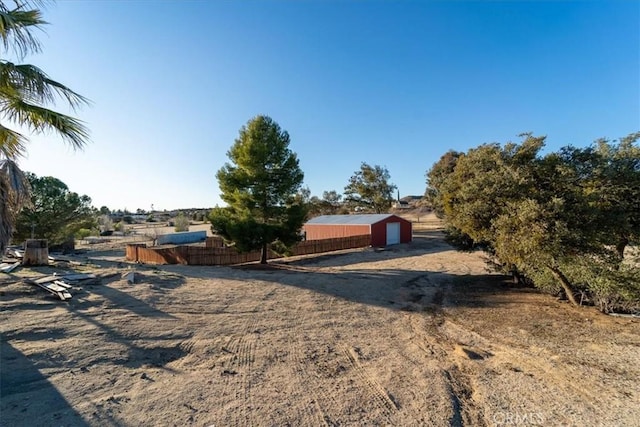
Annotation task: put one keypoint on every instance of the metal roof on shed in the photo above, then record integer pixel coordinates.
(360, 219)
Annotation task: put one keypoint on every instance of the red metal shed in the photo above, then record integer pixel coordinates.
(385, 229)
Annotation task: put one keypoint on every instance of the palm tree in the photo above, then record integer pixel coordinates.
(14, 193)
(25, 92)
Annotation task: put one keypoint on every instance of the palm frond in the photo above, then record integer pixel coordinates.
(40, 120)
(12, 143)
(33, 85)
(16, 29)
(16, 182)
(15, 193)
(34, 4)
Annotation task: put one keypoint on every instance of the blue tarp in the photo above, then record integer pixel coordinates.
(182, 238)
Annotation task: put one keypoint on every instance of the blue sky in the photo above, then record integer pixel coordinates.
(384, 82)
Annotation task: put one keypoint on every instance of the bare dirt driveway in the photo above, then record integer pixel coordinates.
(415, 335)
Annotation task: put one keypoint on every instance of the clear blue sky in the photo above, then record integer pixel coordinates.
(386, 82)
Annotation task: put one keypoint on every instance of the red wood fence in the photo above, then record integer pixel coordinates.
(199, 255)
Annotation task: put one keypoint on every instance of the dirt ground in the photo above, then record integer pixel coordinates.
(413, 335)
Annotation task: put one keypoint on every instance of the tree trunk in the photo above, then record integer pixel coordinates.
(620, 247)
(263, 258)
(566, 285)
(36, 252)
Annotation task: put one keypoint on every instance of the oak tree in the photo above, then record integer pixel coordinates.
(370, 188)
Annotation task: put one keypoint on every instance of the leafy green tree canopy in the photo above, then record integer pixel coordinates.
(562, 219)
(329, 204)
(616, 184)
(436, 177)
(260, 185)
(370, 188)
(55, 213)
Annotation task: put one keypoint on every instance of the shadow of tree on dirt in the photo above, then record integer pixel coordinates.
(141, 348)
(161, 284)
(390, 288)
(19, 377)
(424, 242)
(404, 289)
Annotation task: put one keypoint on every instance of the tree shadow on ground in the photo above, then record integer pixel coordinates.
(389, 288)
(19, 379)
(162, 283)
(126, 301)
(405, 289)
(424, 242)
(153, 350)
(394, 288)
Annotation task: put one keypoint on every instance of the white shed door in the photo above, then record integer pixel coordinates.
(393, 233)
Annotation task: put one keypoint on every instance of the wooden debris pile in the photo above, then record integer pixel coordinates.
(8, 267)
(11, 259)
(14, 257)
(59, 285)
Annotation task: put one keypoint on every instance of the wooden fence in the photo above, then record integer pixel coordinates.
(199, 255)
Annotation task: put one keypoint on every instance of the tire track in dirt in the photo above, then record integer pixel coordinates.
(242, 349)
(236, 370)
(381, 398)
(466, 348)
(311, 406)
(427, 334)
(465, 410)
(437, 346)
(425, 342)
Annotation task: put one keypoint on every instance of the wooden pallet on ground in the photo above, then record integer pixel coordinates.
(54, 286)
(59, 285)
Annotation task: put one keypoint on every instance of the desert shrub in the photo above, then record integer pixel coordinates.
(83, 233)
(105, 222)
(181, 222)
(281, 249)
(608, 286)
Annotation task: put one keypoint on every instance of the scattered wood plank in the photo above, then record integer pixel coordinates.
(78, 276)
(8, 268)
(60, 258)
(16, 253)
(59, 285)
(63, 284)
(71, 277)
(53, 288)
(629, 315)
(46, 279)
